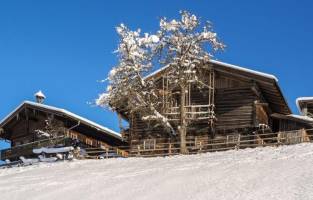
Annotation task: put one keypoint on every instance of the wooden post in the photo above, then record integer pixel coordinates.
(305, 110)
(120, 122)
(138, 150)
(163, 94)
(183, 125)
(170, 149)
(305, 137)
(107, 152)
(27, 124)
(278, 138)
(238, 142)
(211, 103)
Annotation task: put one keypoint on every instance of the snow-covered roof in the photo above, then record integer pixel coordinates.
(279, 105)
(245, 69)
(306, 118)
(293, 117)
(40, 94)
(270, 76)
(156, 71)
(66, 113)
(303, 99)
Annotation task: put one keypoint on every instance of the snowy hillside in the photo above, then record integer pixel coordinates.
(262, 173)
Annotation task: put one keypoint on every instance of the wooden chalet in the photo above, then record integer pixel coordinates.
(237, 108)
(23, 126)
(237, 101)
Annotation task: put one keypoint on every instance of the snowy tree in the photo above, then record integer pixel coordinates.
(183, 45)
(127, 85)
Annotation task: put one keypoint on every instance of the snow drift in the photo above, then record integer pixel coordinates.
(263, 173)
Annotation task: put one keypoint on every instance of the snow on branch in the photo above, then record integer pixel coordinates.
(185, 44)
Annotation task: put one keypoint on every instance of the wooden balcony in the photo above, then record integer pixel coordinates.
(193, 112)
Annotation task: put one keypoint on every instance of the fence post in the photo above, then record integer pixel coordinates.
(138, 150)
(238, 142)
(170, 149)
(302, 135)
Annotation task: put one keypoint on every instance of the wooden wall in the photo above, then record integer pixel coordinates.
(281, 125)
(141, 130)
(240, 108)
(235, 109)
(22, 129)
(88, 141)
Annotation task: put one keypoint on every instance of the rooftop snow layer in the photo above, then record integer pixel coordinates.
(226, 65)
(302, 117)
(245, 69)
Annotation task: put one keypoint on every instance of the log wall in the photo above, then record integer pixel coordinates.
(235, 108)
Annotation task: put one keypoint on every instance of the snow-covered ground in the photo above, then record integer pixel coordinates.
(262, 173)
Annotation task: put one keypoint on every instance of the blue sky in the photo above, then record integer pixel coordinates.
(64, 47)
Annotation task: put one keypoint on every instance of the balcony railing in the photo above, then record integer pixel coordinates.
(193, 112)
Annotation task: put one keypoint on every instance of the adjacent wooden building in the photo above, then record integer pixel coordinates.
(26, 126)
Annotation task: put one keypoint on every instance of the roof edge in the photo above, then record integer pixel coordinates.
(244, 69)
(294, 116)
(270, 76)
(11, 113)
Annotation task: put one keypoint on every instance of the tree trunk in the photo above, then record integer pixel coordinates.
(183, 125)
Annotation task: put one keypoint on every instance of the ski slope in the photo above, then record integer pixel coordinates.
(262, 173)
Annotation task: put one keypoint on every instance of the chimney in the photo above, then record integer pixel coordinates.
(40, 97)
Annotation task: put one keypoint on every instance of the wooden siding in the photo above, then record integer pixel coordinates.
(235, 108)
(21, 128)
